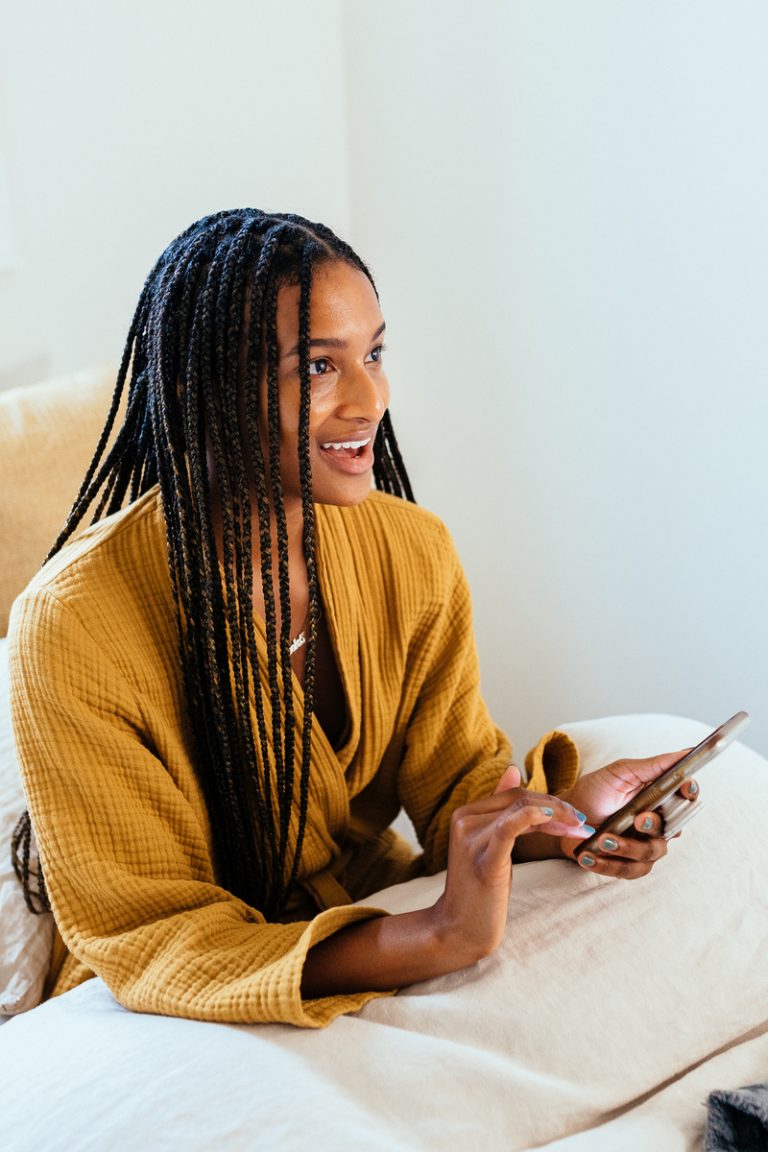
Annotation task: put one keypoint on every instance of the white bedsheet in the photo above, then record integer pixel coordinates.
(81, 1073)
(608, 1014)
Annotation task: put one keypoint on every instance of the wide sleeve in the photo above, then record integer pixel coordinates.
(125, 854)
(454, 753)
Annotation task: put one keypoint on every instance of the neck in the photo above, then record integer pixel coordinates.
(294, 525)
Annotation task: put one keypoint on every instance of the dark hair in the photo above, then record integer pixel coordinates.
(202, 335)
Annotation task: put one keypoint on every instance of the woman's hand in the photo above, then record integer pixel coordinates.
(602, 793)
(471, 914)
(468, 920)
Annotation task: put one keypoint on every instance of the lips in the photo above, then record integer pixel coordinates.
(348, 447)
(351, 456)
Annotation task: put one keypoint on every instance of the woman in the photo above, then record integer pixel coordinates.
(225, 690)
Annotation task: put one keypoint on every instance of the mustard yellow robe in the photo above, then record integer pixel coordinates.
(106, 753)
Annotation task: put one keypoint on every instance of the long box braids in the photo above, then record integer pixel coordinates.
(202, 336)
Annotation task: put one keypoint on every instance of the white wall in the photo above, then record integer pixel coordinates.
(564, 206)
(124, 122)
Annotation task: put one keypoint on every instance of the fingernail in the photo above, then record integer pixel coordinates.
(693, 788)
(581, 815)
(587, 828)
(610, 844)
(587, 861)
(548, 811)
(647, 824)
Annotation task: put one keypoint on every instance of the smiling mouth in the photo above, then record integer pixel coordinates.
(347, 449)
(353, 457)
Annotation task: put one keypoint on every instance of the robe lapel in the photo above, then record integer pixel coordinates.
(328, 809)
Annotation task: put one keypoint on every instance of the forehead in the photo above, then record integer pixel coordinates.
(343, 306)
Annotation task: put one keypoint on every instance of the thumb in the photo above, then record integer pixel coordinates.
(510, 778)
(647, 770)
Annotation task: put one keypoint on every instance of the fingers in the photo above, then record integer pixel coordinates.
(487, 829)
(507, 826)
(689, 790)
(624, 856)
(485, 840)
(634, 855)
(510, 778)
(674, 811)
(630, 857)
(639, 772)
(572, 825)
(471, 913)
(649, 823)
(565, 820)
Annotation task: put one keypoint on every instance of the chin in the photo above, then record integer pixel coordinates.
(346, 496)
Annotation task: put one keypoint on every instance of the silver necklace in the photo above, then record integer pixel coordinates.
(297, 642)
(300, 640)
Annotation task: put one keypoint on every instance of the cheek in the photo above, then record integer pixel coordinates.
(290, 409)
(322, 405)
(325, 400)
(385, 390)
(325, 391)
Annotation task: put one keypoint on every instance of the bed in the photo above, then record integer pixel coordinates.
(604, 1021)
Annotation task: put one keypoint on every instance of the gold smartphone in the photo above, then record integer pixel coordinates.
(651, 799)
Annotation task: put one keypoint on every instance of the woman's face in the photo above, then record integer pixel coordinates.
(350, 392)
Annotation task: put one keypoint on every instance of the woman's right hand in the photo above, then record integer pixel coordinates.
(471, 914)
(468, 920)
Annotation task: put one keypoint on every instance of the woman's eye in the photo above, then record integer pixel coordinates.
(377, 354)
(320, 366)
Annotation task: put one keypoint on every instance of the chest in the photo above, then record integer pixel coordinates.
(328, 689)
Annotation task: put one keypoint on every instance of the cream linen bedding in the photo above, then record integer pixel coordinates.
(608, 1014)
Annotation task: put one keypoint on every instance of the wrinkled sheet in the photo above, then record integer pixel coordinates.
(604, 1020)
(81, 1072)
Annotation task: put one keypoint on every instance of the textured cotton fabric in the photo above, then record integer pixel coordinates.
(107, 757)
(608, 1013)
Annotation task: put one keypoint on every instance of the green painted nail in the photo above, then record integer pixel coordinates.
(610, 844)
(548, 811)
(587, 860)
(647, 824)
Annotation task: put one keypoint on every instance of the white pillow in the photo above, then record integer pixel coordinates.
(25, 939)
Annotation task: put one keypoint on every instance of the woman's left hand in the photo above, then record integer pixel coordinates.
(600, 794)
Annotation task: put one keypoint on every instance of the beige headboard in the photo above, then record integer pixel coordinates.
(48, 434)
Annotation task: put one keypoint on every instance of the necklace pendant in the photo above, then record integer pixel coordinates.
(299, 642)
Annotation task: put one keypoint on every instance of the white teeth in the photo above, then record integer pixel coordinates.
(346, 444)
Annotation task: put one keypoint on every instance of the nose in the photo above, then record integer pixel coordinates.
(362, 394)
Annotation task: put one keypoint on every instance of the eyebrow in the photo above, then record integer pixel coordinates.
(333, 342)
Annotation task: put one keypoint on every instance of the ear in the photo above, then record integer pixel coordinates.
(510, 778)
